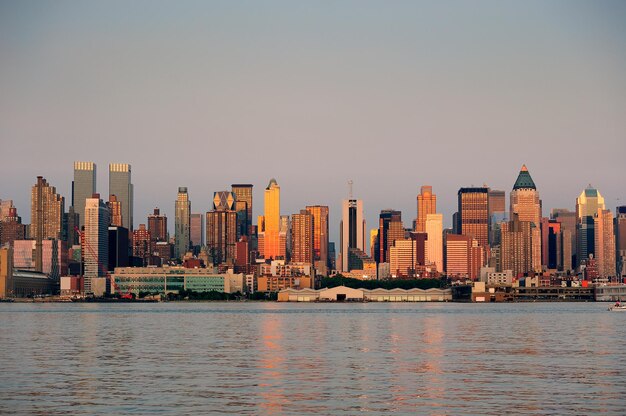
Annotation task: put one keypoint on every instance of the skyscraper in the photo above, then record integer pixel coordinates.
(516, 246)
(157, 225)
(243, 196)
(497, 214)
(302, 237)
(473, 211)
(604, 243)
(620, 240)
(568, 222)
(434, 243)
(464, 257)
(351, 230)
(221, 230)
(426, 204)
(47, 209)
(197, 230)
(95, 249)
(182, 221)
(526, 204)
(271, 246)
(120, 185)
(320, 237)
(115, 207)
(587, 205)
(390, 229)
(142, 244)
(83, 187)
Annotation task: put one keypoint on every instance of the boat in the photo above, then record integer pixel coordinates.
(617, 308)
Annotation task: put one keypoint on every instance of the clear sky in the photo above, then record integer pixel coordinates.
(390, 94)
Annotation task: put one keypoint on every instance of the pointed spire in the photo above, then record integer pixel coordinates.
(524, 180)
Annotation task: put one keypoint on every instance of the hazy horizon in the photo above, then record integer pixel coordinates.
(391, 95)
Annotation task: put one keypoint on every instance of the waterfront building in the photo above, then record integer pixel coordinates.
(473, 210)
(95, 241)
(11, 228)
(182, 221)
(243, 206)
(587, 205)
(115, 207)
(270, 244)
(165, 280)
(320, 237)
(197, 231)
(302, 237)
(6, 272)
(604, 243)
(47, 209)
(121, 186)
(426, 204)
(351, 231)
(54, 257)
(157, 225)
(83, 187)
(620, 243)
(118, 247)
(343, 293)
(434, 242)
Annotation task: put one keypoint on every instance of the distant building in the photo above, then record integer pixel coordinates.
(47, 208)
(620, 240)
(351, 231)
(142, 244)
(115, 207)
(473, 210)
(54, 257)
(83, 187)
(11, 228)
(526, 204)
(434, 243)
(390, 229)
(320, 237)
(94, 247)
(221, 234)
(568, 222)
(302, 237)
(270, 244)
(587, 205)
(426, 204)
(182, 221)
(464, 257)
(6, 272)
(118, 248)
(516, 246)
(121, 186)
(604, 243)
(243, 206)
(157, 225)
(197, 230)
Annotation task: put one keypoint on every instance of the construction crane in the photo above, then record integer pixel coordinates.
(103, 269)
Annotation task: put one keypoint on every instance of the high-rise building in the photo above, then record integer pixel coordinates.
(11, 228)
(390, 229)
(157, 225)
(284, 236)
(6, 272)
(115, 207)
(525, 200)
(118, 248)
(197, 230)
(47, 208)
(94, 247)
(434, 243)
(473, 213)
(5, 207)
(604, 243)
(120, 185)
(182, 221)
(270, 245)
(142, 244)
(464, 257)
(426, 204)
(302, 237)
(71, 221)
(568, 222)
(320, 237)
(243, 196)
(587, 205)
(404, 257)
(497, 202)
(516, 246)
(54, 257)
(351, 231)
(620, 240)
(497, 214)
(83, 187)
(221, 234)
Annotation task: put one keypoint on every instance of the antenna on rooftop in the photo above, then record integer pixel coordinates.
(350, 189)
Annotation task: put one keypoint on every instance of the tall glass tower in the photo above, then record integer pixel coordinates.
(120, 185)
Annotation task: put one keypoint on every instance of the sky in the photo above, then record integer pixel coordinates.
(392, 95)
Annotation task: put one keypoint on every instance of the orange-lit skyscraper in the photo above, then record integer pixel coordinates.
(243, 206)
(320, 237)
(302, 237)
(270, 246)
(474, 213)
(426, 204)
(351, 230)
(604, 243)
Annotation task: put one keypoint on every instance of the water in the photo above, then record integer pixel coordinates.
(271, 358)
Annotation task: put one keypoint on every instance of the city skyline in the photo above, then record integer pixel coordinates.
(464, 93)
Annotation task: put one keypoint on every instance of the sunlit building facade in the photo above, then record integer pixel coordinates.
(83, 187)
(351, 231)
(604, 243)
(121, 186)
(320, 237)
(434, 243)
(182, 223)
(426, 204)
